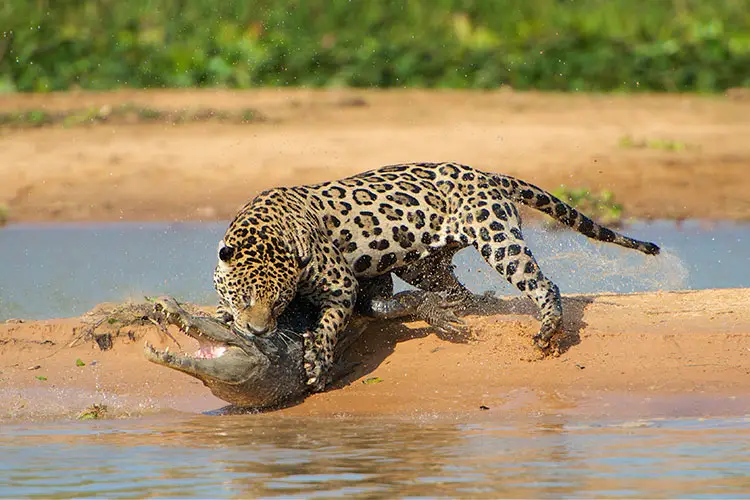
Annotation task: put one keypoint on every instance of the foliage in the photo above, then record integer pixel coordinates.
(600, 207)
(628, 141)
(574, 45)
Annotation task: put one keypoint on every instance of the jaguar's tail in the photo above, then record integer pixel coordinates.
(537, 198)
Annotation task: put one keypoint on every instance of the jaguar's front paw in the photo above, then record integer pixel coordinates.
(316, 369)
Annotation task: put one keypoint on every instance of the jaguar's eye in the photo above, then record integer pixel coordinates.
(278, 307)
(226, 253)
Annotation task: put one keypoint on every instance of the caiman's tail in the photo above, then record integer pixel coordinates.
(537, 198)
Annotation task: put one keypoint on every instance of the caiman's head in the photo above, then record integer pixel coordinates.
(253, 372)
(257, 275)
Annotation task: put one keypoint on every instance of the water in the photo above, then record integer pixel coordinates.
(63, 270)
(268, 456)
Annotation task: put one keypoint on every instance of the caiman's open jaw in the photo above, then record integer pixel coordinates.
(220, 357)
(207, 350)
(212, 362)
(210, 351)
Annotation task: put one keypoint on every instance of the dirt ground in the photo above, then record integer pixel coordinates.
(641, 355)
(205, 171)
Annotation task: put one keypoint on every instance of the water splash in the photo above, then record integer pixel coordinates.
(578, 265)
(668, 271)
(616, 270)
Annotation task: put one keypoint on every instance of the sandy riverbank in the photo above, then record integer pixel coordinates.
(663, 156)
(640, 355)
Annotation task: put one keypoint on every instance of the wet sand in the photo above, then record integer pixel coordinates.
(647, 355)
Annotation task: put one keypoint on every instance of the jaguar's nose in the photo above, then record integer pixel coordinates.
(260, 331)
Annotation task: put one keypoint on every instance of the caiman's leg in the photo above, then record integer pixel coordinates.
(376, 300)
(435, 274)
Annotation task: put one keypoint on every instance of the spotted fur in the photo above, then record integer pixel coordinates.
(318, 240)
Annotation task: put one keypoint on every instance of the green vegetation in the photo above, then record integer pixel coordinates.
(125, 113)
(601, 207)
(573, 45)
(661, 144)
(93, 412)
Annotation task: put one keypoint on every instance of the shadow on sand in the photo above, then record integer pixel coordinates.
(379, 339)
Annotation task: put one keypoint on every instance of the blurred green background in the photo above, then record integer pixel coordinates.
(568, 45)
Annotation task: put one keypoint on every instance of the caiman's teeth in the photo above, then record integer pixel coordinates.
(166, 351)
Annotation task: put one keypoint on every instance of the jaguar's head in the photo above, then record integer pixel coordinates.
(256, 277)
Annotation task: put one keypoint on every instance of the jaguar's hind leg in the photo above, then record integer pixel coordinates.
(501, 244)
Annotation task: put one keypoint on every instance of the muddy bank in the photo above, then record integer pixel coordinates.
(640, 355)
(662, 156)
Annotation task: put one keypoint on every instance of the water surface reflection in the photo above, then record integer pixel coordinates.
(269, 455)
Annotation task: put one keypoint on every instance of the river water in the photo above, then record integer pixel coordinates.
(255, 456)
(63, 270)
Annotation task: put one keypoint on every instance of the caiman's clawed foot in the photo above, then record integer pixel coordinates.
(167, 306)
(440, 313)
(166, 310)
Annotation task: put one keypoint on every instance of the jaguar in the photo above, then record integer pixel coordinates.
(321, 240)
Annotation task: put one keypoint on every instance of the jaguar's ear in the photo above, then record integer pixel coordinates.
(225, 256)
(225, 253)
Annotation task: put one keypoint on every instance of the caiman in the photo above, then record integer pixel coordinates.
(267, 372)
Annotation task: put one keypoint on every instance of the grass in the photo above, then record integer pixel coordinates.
(628, 142)
(127, 113)
(601, 207)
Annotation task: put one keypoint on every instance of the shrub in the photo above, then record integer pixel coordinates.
(602, 45)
